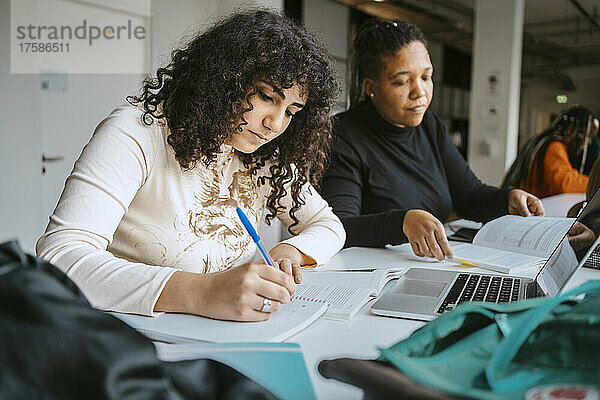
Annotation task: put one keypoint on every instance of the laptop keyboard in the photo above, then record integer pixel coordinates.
(468, 287)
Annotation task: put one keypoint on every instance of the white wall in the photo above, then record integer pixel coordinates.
(173, 20)
(21, 214)
(330, 22)
(54, 122)
(540, 97)
(20, 162)
(494, 113)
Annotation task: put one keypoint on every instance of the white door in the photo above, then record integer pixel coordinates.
(67, 121)
(71, 106)
(20, 177)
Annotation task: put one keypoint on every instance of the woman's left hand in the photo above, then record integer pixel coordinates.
(525, 204)
(289, 260)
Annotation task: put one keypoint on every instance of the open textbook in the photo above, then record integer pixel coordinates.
(344, 292)
(182, 328)
(511, 242)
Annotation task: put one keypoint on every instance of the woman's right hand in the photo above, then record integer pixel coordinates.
(426, 235)
(236, 294)
(580, 236)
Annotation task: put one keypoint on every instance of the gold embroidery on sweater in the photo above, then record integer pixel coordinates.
(213, 219)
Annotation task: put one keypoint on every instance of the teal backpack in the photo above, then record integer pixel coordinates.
(500, 351)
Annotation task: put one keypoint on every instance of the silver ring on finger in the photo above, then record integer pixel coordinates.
(266, 305)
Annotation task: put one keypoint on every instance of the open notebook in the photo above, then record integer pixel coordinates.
(181, 328)
(345, 292)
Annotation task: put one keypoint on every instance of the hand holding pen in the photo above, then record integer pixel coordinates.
(263, 252)
(288, 256)
(248, 292)
(254, 236)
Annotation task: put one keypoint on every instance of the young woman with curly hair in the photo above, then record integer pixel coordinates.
(239, 118)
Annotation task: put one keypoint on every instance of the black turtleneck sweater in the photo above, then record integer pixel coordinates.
(380, 171)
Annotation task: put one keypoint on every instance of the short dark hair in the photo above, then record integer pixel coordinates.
(202, 92)
(376, 39)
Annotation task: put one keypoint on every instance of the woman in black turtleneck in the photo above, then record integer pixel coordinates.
(395, 174)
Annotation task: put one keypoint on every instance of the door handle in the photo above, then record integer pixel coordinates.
(54, 158)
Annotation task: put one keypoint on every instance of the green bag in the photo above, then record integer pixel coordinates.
(499, 351)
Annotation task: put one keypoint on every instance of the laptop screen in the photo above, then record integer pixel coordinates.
(573, 250)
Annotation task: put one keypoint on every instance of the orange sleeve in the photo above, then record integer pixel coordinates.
(559, 175)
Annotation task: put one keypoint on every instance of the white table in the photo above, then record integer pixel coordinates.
(361, 336)
(365, 333)
(558, 205)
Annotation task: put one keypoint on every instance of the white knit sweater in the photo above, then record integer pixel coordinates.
(129, 216)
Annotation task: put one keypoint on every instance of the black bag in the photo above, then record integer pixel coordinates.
(379, 380)
(53, 345)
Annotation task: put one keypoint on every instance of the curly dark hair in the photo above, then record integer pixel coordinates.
(375, 39)
(204, 92)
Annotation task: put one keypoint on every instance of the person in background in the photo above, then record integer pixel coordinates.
(240, 117)
(554, 161)
(395, 175)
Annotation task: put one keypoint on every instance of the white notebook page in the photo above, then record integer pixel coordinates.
(179, 328)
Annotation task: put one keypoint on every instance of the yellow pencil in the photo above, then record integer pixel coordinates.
(463, 261)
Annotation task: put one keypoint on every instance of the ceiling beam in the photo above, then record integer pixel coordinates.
(433, 17)
(554, 23)
(585, 14)
(579, 32)
(426, 21)
(547, 49)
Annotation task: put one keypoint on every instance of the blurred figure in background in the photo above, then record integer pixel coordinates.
(555, 161)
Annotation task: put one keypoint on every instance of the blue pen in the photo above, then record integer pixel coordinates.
(254, 236)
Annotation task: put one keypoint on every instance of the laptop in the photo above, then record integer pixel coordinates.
(424, 293)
